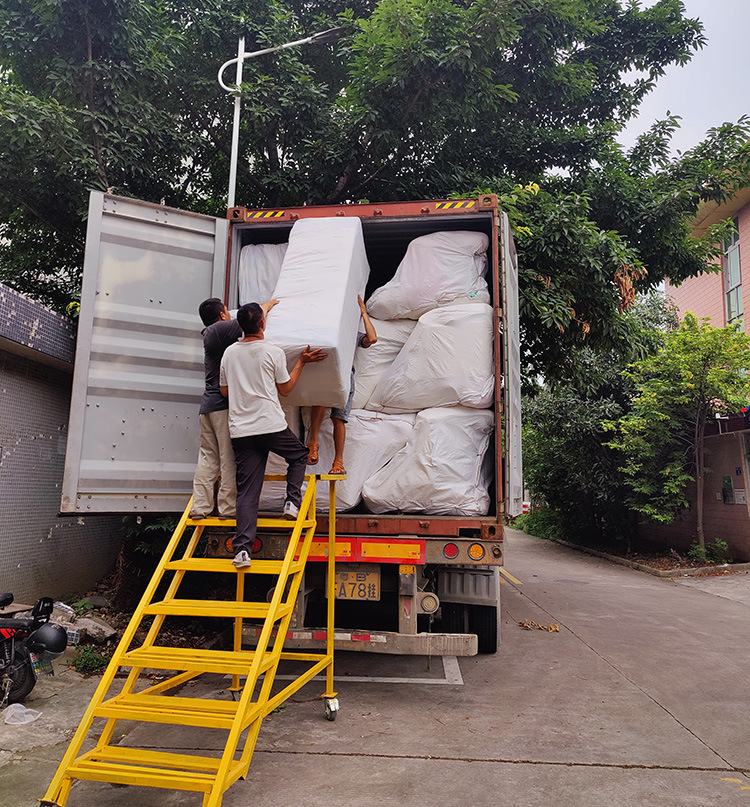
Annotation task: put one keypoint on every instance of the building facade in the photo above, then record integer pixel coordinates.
(41, 552)
(720, 297)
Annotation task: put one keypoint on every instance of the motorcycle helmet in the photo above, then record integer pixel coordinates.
(48, 638)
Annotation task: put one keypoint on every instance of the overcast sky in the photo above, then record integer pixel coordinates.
(714, 87)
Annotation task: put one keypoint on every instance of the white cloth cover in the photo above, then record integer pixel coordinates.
(442, 469)
(260, 266)
(273, 494)
(437, 269)
(446, 361)
(370, 363)
(371, 441)
(324, 270)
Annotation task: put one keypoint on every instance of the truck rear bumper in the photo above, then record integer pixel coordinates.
(420, 644)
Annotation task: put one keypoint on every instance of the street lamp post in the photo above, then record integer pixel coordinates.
(331, 35)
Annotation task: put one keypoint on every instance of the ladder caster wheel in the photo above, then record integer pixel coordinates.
(332, 708)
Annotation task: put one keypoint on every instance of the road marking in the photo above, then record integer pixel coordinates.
(510, 577)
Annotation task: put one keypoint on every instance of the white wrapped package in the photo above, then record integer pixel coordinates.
(260, 266)
(273, 494)
(371, 441)
(370, 363)
(447, 361)
(437, 269)
(324, 270)
(443, 469)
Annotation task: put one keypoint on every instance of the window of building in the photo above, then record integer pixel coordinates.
(733, 277)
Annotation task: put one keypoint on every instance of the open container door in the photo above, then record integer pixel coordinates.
(511, 372)
(133, 430)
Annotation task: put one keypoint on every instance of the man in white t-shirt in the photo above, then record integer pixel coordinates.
(253, 375)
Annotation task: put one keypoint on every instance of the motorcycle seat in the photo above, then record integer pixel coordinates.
(18, 624)
(5, 599)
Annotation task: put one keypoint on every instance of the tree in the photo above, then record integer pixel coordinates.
(421, 98)
(700, 371)
(567, 459)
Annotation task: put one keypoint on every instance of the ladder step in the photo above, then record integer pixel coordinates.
(135, 766)
(230, 662)
(225, 565)
(228, 608)
(276, 523)
(199, 712)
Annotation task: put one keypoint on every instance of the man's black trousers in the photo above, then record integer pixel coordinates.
(251, 454)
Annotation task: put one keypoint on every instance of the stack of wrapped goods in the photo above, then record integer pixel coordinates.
(421, 422)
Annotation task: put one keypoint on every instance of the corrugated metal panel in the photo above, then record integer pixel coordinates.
(512, 374)
(133, 433)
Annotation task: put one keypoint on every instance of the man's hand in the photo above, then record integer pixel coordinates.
(310, 356)
(268, 306)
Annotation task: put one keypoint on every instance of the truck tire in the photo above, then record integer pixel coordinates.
(454, 617)
(483, 622)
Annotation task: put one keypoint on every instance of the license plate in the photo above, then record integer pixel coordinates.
(352, 583)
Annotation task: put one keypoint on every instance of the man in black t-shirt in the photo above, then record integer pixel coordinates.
(215, 456)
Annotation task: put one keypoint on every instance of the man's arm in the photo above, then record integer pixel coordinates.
(370, 336)
(306, 357)
(224, 391)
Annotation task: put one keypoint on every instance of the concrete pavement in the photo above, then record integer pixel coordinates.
(639, 700)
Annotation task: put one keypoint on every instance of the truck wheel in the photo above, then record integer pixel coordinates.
(483, 622)
(454, 617)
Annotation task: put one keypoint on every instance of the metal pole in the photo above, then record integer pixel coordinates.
(236, 124)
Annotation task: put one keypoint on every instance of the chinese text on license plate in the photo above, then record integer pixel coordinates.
(357, 584)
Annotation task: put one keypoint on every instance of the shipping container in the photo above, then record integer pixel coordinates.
(133, 432)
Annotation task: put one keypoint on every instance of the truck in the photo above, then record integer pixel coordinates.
(138, 378)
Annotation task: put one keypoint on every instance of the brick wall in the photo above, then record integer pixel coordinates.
(726, 522)
(41, 553)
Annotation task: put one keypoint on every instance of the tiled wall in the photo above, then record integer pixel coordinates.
(41, 553)
(704, 295)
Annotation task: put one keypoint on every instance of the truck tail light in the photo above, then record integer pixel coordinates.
(257, 546)
(476, 551)
(450, 551)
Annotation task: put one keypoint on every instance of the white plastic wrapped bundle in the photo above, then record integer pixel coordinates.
(442, 469)
(324, 270)
(260, 266)
(447, 361)
(273, 494)
(371, 441)
(370, 363)
(437, 269)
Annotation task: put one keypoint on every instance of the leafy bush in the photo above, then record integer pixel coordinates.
(87, 659)
(715, 552)
(544, 523)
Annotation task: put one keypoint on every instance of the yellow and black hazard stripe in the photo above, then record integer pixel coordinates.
(466, 203)
(265, 214)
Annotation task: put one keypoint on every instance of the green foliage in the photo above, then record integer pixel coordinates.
(420, 99)
(545, 522)
(567, 459)
(699, 371)
(81, 606)
(714, 552)
(87, 660)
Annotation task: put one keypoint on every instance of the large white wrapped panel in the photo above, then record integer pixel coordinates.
(273, 494)
(370, 363)
(324, 270)
(447, 361)
(443, 469)
(437, 269)
(260, 267)
(371, 441)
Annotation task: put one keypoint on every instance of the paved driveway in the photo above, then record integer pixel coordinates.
(640, 699)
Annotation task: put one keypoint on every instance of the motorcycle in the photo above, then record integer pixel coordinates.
(27, 647)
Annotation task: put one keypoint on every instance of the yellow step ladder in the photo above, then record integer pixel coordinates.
(241, 716)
